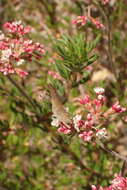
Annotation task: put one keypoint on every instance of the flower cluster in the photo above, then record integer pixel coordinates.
(93, 117)
(118, 108)
(88, 126)
(16, 28)
(118, 183)
(83, 20)
(16, 48)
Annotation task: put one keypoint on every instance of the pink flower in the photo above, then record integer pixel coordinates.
(84, 100)
(80, 20)
(97, 102)
(118, 108)
(118, 183)
(7, 69)
(90, 127)
(88, 124)
(30, 47)
(97, 23)
(81, 123)
(21, 73)
(94, 187)
(86, 136)
(64, 129)
(17, 49)
(4, 45)
(16, 28)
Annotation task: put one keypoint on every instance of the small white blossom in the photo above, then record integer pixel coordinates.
(20, 62)
(101, 97)
(29, 41)
(76, 120)
(99, 90)
(102, 133)
(17, 22)
(6, 54)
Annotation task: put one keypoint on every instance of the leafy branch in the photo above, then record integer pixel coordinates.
(75, 54)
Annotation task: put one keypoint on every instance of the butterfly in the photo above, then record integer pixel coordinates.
(58, 108)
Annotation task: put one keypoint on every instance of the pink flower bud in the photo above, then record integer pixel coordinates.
(86, 136)
(118, 108)
(84, 100)
(80, 20)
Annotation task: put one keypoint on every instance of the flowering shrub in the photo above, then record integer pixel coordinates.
(16, 49)
(90, 127)
(82, 20)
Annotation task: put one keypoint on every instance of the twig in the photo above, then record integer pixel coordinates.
(108, 29)
(51, 12)
(79, 5)
(112, 152)
(124, 167)
(22, 91)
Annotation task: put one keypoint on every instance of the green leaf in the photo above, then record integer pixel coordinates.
(92, 59)
(91, 45)
(63, 70)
